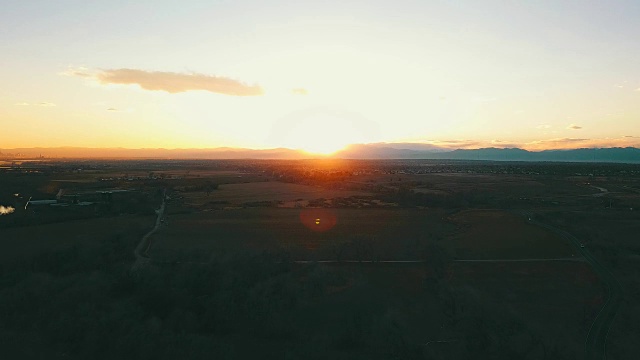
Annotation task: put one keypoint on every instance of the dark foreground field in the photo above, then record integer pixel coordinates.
(385, 264)
(353, 234)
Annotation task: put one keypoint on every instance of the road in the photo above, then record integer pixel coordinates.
(141, 250)
(596, 341)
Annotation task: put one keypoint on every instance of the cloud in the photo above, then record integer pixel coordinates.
(175, 82)
(575, 143)
(112, 109)
(44, 103)
(79, 72)
(473, 144)
(459, 144)
(543, 126)
(545, 144)
(574, 127)
(558, 143)
(299, 91)
(638, 89)
(503, 144)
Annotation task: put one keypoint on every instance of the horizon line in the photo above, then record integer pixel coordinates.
(435, 148)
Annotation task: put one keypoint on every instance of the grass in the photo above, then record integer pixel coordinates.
(493, 234)
(558, 298)
(385, 234)
(265, 191)
(19, 243)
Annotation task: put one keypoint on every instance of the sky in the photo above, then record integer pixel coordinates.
(318, 75)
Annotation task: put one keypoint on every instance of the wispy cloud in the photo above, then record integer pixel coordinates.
(575, 143)
(574, 127)
(544, 144)
(119, 110)
(459, 144)
(176, 82)
(503, 144)
(620, 86)
(79, 72)
(299, 91)
(44, 103)
(113, 109)
(473, 144)
(543, 126)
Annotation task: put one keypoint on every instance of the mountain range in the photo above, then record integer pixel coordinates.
(359, 151)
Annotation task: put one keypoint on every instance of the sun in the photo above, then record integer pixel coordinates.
(321, 141)
(322, 135)
(324, 146)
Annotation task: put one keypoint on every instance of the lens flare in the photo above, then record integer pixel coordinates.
(318, 219)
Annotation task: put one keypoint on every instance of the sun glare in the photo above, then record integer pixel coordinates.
(323, 135)
(323, 148)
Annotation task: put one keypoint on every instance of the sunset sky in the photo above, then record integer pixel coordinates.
(319, 75)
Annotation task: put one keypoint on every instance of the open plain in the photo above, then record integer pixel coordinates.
(348, 259)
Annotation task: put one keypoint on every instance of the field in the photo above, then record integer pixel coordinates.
(23, 243)
(286, 193)
(509, 300)
(418, 260)
(374, 305)
(382, 310)
(521, 292)
(358, 234)
(492, 234)
(361, 234)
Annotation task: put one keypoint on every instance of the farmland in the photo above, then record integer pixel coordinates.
(358, 234)
(23, 243)
(516, 239)
(340, 259)
(284, 194)
(518, 294)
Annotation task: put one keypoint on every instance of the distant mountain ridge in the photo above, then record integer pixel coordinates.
(390, 151)
(574, 155)
(358, 151)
